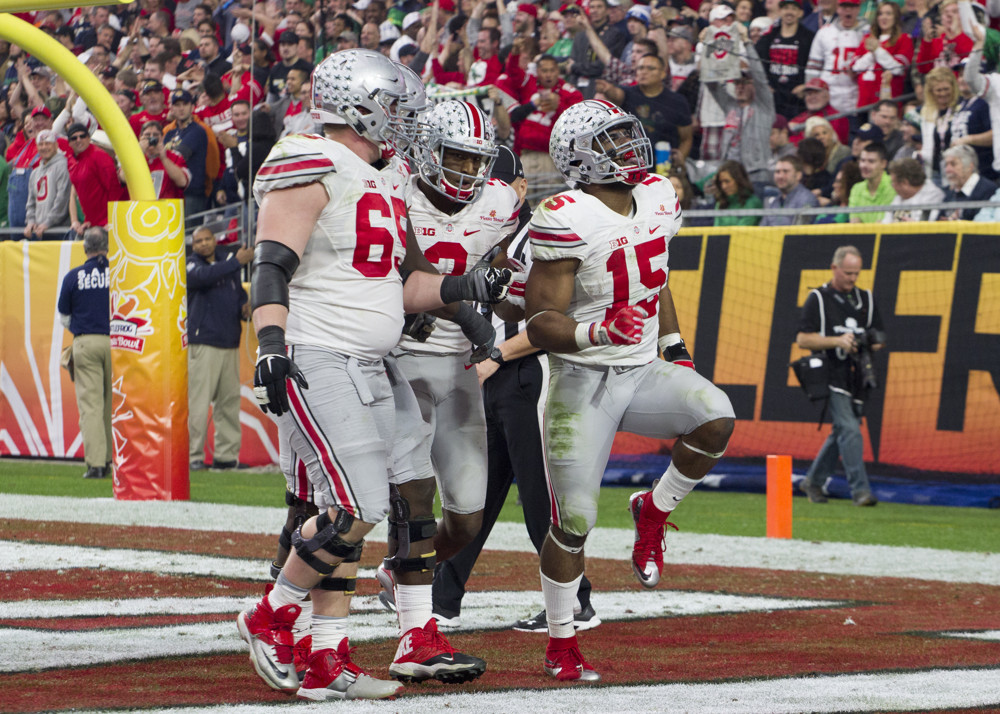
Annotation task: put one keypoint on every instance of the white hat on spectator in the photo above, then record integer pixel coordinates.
(398, 45)
(388, 32)
(46, 136)
(411, 19)
(361, 4)
(720, 12)
(761, 23)
(240, 33)
(613, 3)
(640, 13)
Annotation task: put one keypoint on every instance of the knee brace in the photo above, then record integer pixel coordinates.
(342, 584)
(345, 585)
(301, 515)
(327, 538)
(404, 530)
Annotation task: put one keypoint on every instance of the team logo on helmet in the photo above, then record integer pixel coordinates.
(596, 142)
(359, 88)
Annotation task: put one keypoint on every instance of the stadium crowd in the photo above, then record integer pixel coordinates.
(764, 104)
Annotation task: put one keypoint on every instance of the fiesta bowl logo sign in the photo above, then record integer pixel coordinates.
(129, 325)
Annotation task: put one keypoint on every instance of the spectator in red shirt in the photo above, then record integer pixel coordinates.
(169, 171)
(884, 49)
(214, 107)
(94, 180)
(154, 106)
(943, 44)
(817, 96)
(543, 99)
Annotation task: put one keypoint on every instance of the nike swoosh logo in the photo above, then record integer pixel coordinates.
(281, 673)
(675, 498)
(469, 233)
(653, 230)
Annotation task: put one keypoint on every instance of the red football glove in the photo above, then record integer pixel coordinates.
(624, 328)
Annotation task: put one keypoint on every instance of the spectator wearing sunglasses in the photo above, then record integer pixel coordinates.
(94, 180)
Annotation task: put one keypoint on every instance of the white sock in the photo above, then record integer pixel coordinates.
(286, 593)
(413, 606)
(560, 599)
(328, 632)
(672, 489)
(303, 622)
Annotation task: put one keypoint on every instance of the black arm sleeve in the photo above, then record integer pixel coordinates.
(274, 264)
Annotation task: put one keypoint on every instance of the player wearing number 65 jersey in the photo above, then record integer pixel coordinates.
(598, 301)
(332, 278)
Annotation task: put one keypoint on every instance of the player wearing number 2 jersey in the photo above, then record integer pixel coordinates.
(332, 279)
(598, 301)
(457, 215)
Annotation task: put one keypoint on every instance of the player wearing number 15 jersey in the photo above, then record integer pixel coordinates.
(598, 301)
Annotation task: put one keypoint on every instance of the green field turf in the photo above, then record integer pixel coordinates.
(737, 514)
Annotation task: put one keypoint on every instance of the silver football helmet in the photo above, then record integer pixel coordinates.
(596, 142)
(409, 110)
(457, 126)
(359, 88)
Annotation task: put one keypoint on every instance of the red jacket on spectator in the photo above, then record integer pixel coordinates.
(533, 132)
(95, 177)
(870, 80)
(942, 52)
(493, 70)
(841, 125)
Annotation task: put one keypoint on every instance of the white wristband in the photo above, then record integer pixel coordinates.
(668, 340)
(583, 335)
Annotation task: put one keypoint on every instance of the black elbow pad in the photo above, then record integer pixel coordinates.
(274, 264)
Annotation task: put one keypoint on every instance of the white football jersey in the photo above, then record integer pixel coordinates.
(454, 243)
(347, 294)
(623, 259)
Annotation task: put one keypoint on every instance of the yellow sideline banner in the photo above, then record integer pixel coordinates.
(738, 292)
(149, 349)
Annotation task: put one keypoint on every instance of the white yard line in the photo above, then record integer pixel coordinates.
(933, 689)
(615, 544)
(940, 688)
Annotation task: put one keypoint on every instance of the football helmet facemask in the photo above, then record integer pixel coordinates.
(462, 127)
(406, 121)
(596, 142)
(359, 88)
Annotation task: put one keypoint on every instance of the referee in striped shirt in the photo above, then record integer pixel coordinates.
(515, 382)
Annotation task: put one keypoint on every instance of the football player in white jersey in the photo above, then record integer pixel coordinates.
(332, 281)
(598, 301)
(458, 215)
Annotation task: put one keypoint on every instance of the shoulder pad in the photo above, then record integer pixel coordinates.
(296, 160)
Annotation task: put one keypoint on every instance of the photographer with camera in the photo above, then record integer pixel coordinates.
(841, 323)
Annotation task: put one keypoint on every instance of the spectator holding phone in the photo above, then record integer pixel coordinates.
(168, 168)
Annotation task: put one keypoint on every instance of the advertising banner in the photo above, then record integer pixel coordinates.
(149, 349)
(38, 415)
(937, 285)
(738, 292)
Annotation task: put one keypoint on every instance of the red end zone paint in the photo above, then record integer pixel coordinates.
(884, 624)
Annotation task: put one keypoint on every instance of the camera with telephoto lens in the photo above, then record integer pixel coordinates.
(863, 356)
